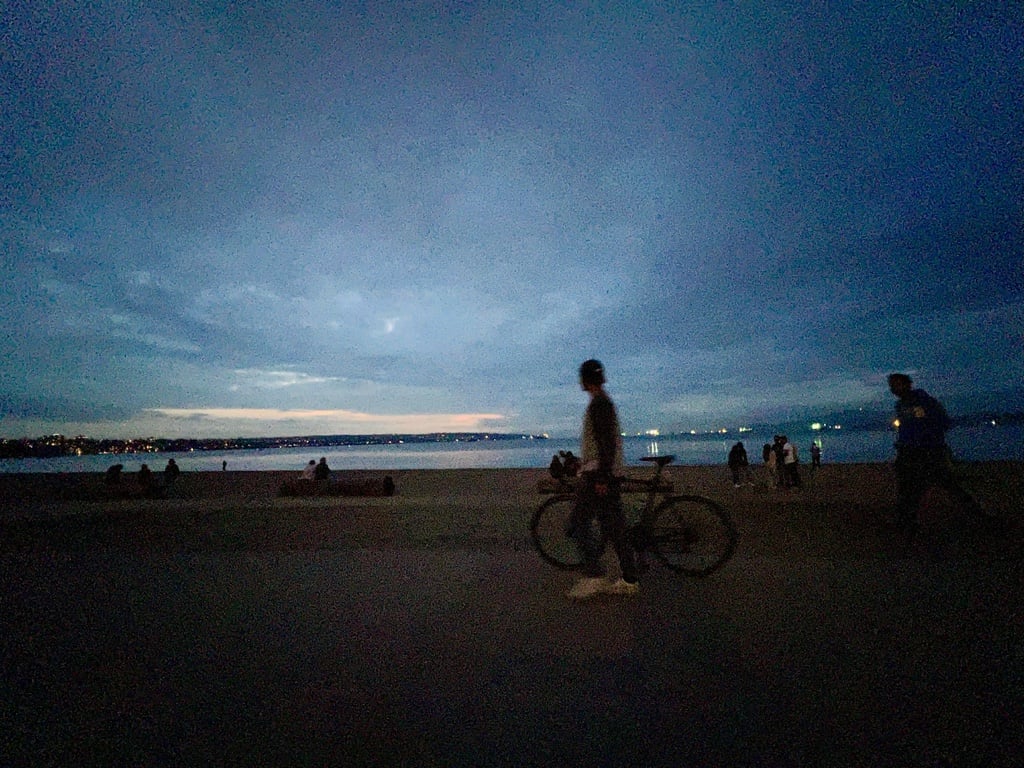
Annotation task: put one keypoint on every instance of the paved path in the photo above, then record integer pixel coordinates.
(304, 633)
(473, 657)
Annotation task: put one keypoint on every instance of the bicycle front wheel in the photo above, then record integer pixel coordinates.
(548, 531)
(692, 535)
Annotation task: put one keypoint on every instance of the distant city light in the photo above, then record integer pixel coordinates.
(816, 426)
(652, 432)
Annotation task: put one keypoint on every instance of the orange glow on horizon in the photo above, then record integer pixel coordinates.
(332, 420)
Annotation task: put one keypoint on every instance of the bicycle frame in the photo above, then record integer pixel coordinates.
(689, 534)
(655, 488)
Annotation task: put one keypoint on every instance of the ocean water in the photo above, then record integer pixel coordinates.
(1005, 442)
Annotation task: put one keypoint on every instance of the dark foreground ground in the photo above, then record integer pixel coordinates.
(420, 630)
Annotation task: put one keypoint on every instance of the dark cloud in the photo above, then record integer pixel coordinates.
(60, 410)
(389, 209)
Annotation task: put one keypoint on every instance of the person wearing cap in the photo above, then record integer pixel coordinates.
(598, 498)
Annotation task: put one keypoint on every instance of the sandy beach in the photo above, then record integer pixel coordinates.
(226, 625)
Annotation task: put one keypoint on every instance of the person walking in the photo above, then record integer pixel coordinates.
(922, 456)
(597, 498)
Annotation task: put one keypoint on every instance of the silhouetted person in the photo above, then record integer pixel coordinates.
(738, 464)
(309, 472)
(922, 456)
(597, 498)
(768, 457)
(570, 463)
(113, 476)
(322, 471)
(145, 477)
(779, 457)
(791, 463)
(815, 456)
(555, 468)
(171, 472)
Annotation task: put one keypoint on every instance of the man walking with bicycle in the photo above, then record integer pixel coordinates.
(598, 496)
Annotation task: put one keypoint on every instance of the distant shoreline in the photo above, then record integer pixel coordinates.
(54, 446)
(984, 443)
(50, 446)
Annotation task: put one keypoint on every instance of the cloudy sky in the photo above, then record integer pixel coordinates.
(279, 218)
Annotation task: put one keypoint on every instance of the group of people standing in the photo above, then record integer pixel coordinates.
(781, 460)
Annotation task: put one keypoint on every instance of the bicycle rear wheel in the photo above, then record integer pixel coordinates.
(548, 532)
(692, 535)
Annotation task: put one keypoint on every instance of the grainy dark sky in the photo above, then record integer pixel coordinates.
(310, 218)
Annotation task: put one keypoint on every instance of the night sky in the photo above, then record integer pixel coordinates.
(228, 219)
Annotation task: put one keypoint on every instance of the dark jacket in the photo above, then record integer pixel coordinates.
(922, 421)
(738, 456)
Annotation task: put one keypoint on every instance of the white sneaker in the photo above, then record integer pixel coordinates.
(588, 587)
(621, 587)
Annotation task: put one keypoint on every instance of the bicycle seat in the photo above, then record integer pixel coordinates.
(661, 461)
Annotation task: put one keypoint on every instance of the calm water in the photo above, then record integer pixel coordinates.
(973, 443)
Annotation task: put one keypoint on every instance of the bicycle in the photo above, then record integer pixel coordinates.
(688, 534)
